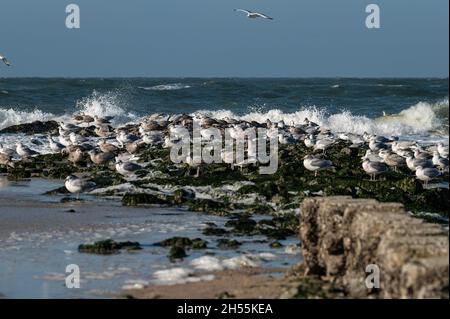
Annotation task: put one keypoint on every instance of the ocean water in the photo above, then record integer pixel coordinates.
(414, 107)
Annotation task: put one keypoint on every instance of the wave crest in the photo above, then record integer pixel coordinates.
(9, 117)
(421, 118)
(165, 87)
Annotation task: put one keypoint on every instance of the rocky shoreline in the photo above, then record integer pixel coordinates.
(242, 194)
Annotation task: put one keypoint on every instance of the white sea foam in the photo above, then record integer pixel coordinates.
(165, 87)
(417, 119)
(207, 263)
(100, 104)
(178, 276)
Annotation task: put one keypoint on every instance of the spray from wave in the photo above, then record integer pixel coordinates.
(106, 104)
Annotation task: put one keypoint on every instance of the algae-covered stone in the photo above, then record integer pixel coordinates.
(108, 247)
(36, 127)
(135, 199)
(228, 243)
(177, 252)
(215, 231)
(242, 225)
(276, 244)
(196, 243)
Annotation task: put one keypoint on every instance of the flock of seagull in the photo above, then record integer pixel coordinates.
(382, 154)
(122, 143)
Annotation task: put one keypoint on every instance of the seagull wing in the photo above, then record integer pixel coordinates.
(131, 166)
(242, 10)
(5, 60)
(262, 15)
(320, 163)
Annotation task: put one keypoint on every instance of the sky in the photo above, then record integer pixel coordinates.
(206, 38)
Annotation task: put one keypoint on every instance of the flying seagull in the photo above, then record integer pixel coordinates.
(254, 15)
(2, 58)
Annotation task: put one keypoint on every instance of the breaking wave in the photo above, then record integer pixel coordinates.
(165, 87)
(9, 116)
(100, 104)
(421, 118)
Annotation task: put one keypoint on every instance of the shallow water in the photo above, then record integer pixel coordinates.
(39, 238)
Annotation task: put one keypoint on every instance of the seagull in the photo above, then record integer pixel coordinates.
(55, 146)
(24, 151)
(427, 173)
(310, 141)
(414, 163)
(152, 138)
(102, 130)
(392, 159)
(443, 150)
(193, 163)
(132, 148)
(77, 139)
(102, 120)
(127, 168)
(376, 145)
(254, 15)
(68, 127)
(440, 162)
(77, 185)
(372, 156)
(5, 159)
(373, 168)
(100, 158)
(323, 144)
(106, 147)
(6, 151)
(315, 164)
(227, 157)
(3, 58)
(124, 138)
(76, 156)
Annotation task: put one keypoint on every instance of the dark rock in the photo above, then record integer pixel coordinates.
(36, 127)
(177, 252)
(135, 199)
(276, 244)
(108, 247)
(228, 243)
(215, 231)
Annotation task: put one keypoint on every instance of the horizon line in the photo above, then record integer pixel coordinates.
(225, 77)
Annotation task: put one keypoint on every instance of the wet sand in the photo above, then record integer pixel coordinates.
(245, 283)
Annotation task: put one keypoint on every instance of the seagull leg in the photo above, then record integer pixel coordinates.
(198, 172)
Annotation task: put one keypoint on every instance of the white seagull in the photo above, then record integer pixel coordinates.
(5, 60)
(315, 164)
(426, 174)
(254, 15)
(78, 185)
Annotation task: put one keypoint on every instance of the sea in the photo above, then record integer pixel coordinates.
(414, 108)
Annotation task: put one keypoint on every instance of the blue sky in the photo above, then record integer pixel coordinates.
(195, 38)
